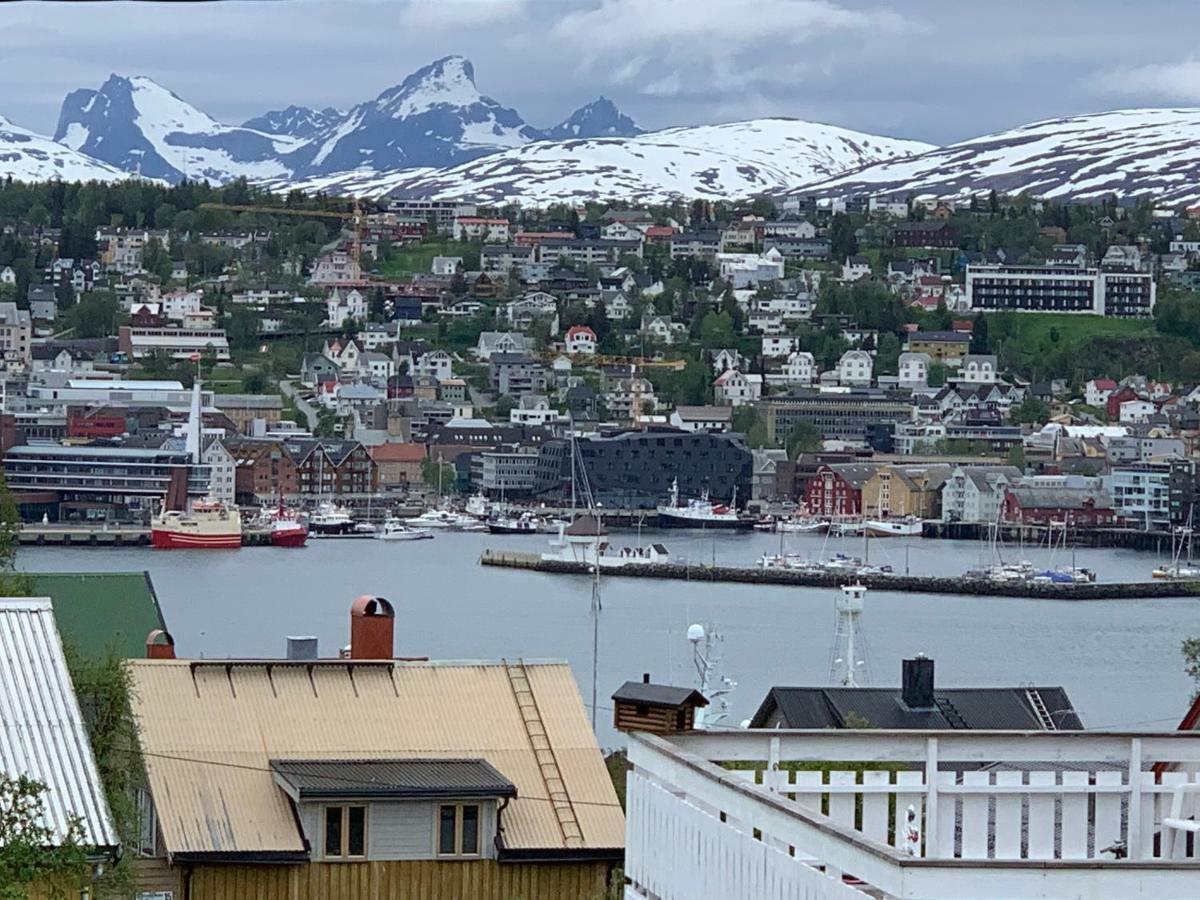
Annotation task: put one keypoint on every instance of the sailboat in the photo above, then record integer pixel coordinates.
(1181, 540)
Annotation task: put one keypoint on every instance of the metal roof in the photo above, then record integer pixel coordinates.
(210, 729)
(308, 779)
(42, 734)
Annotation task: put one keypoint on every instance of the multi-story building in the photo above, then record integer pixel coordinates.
(1058, 499)
(940, 345)
(441, 212)
(1060, 289)
(246, 409)
(582, 252)
(96, 482)
(16, 329)
(837, 490)
(931, 233)
(478, 228)
(178, 343)
(510, 472)
(842, 414)
(974, 493)
(326, 468)
(701, 245)
(121, 248)
(1141, 494)
(895, 491)
(514, 374)
(635, 469)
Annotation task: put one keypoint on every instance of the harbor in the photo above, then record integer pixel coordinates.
(827, 579)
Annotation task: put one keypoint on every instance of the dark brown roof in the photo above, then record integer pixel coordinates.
(330, 778)
(658, 695)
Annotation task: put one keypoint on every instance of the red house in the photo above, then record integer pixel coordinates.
(836, 490)
(1112, 407)
(1037, 504)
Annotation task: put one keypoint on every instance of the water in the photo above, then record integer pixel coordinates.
(1118, 660)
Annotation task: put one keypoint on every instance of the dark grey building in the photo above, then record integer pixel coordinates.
(635, 469)
(848, 415)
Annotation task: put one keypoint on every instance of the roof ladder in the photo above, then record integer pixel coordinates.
(1039, 709)
(535, 729)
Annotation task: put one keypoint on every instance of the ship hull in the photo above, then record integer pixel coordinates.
(291, 538)
(885, 528)
(668, 519)
(179, 540)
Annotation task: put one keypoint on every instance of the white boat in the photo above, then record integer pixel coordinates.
(448, 520)
(700, 512)
(478, 506)
(586, 541)
(909, 526)
(1181, 549)
(800, 526)
(845, 527)
(399, 530)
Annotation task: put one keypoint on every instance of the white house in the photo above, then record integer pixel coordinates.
(500, 342)
(726, 359)
(445, 265)
(1137, 411)
(436, 363)
(750, 269)
(1097, 391)
(178, 304)
(477, 228)
(855, 267)
(800, 368)
(662, 330)
(343, 305)
(532, 409)
(702, 418)
(796, 228)
(854, 368)
(8, 276)
(619, 231)
(974, 493)
(337, 267)
(914, 370)
(734, 388)
(779, 346)
(978, 368)
(581, 341)
(887, 206)
(222, 469)
(616, 306)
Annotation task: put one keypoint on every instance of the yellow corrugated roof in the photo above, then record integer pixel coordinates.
(208, 731)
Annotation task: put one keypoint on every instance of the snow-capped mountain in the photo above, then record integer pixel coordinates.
(732, 160)
(295, 121)
(26, 156)
(139, 126)
(1126, 153)
(600, 118)
(435, 117)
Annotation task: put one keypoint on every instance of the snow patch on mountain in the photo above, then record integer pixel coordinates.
(732, 160)
(1127, 153)
(137, 125)
(295, 121)
(600, 118)
(28, 156)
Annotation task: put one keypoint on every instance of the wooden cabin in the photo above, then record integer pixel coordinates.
(655, 708)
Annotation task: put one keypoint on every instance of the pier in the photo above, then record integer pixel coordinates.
(1112, 590)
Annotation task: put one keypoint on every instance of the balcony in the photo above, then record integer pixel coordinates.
(933, 815)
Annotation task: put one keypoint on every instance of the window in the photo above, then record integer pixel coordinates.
(345, 831)
(458, 829)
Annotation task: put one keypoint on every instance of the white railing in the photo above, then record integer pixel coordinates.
(995, 814)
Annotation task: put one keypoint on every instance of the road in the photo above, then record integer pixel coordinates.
(289, 390)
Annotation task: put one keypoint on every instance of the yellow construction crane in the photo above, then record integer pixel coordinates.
(355, 215)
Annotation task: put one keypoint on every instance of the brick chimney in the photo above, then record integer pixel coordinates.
(160, 645)
(371, 625)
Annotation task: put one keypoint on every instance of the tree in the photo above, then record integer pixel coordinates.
(1190, 648)
(804, 438)
(94, 316)
(842, 241)
(979, 335)
(30, 851)
(1032, 411)
(1016, 456)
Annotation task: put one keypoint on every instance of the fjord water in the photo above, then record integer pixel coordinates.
(1118, 660)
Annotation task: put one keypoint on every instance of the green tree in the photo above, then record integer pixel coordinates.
(842, 241)
(979, 335)
(804, 438)
(1190, 648)
(1032, 411)
(94, 316)
(30, 851)
(1016, 456)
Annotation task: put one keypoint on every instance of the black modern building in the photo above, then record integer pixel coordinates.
(635, 469)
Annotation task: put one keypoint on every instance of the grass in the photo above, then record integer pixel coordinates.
(411, 259)
(1042, 333)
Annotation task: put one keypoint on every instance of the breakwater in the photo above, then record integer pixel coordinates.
(1111, 590)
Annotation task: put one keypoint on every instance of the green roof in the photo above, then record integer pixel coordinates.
(96, 609)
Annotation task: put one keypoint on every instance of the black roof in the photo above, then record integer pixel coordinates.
(313, 779)
(658, 695)
(1008, 709)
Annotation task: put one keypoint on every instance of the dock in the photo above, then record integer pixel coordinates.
(917, 584)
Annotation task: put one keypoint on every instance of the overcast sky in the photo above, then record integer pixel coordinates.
(934, 70)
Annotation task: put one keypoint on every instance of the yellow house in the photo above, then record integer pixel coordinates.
(371, 777)
(895, 491)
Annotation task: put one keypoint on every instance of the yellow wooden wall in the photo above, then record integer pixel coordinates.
(403, 880)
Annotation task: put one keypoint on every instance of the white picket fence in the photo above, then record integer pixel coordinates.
(676, 851)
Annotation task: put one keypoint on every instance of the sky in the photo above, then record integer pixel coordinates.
(932, 70)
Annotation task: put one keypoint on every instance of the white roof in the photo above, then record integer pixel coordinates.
(41, 729)
(124, 385)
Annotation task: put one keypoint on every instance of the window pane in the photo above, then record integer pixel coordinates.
(446, 830)
(470, 829)
(333, 831)
(356, 831)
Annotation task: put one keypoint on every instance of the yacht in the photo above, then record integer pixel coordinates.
(329, 519)
(909, 526)
(447, 520)
(399, 530)
(522, 523)
(700, 513)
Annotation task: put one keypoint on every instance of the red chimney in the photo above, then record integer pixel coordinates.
(160, 645)
(371, 622)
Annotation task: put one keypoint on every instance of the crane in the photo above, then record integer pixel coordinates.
(355, 215)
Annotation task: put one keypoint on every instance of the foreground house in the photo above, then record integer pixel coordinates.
(42, 733)
(368, 776)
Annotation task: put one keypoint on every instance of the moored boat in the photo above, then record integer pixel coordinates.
(330, 519)
(208, 525)
(700, 512)
(399, 530)
(909, 526)
(287, 531)
(525, 523)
